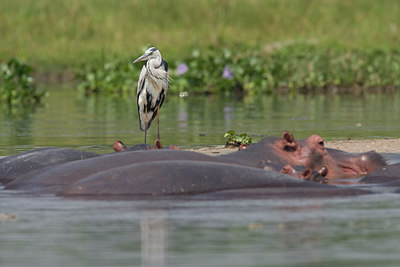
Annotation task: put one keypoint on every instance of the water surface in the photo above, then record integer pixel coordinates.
(66, 119)
(49, 231)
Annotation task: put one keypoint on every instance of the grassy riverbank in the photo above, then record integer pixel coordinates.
(64, 34)
(298, 44)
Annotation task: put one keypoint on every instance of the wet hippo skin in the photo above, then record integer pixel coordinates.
(17, 165)
(136, 168)
(71, 172)
(178, 177)
(309, 152)
(384, 175)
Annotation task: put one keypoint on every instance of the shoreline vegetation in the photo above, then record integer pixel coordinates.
(305, 69)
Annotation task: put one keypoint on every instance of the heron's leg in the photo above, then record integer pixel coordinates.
(158, 124)
(145, 125)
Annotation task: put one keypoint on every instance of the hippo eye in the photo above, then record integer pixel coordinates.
(321, 143)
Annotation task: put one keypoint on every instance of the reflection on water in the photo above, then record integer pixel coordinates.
(94, 123)
(154, 236)
(49, 231)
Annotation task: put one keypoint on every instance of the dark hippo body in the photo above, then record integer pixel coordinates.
(391, 158)
(342, 164)
(20, 164)
(384, 175)
(158, 172)
(68, 173)
(178, 177)
(71, 172)
(309, 152)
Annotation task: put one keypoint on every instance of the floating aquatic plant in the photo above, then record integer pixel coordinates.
(235, 140)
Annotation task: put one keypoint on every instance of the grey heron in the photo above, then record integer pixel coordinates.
(152, 88)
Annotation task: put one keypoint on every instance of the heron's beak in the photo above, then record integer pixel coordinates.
(141, 58)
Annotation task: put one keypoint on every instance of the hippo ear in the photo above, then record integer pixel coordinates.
(288, 141)
(320, 141)
(119, 146)
(157, 144)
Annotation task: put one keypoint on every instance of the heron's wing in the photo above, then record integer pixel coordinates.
(151, 111)
(165, 65)
(141, 80)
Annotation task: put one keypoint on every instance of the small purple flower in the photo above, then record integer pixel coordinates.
(227, 73)
(182, 69)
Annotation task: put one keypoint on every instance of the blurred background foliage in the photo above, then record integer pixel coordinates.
(227, 46)
(302, 69)
(17, 86)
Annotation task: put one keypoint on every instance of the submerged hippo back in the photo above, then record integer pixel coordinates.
(71, 172)
(20, 164)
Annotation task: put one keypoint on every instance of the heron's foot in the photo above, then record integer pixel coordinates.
(158, 145)
(119, 146)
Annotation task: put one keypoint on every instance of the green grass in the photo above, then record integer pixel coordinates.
(61, 35)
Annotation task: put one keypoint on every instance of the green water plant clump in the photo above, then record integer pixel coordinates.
(294, 68)
(17, 86)
(234, 140)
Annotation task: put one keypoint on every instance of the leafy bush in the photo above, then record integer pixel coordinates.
(111, 78)
(16, 84)
(218, 71)
(297, 68)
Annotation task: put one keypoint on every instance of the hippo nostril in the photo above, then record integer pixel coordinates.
(323, 171)
(321, 143)
(307, 173)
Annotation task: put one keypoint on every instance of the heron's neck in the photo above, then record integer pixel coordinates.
(155, 62)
